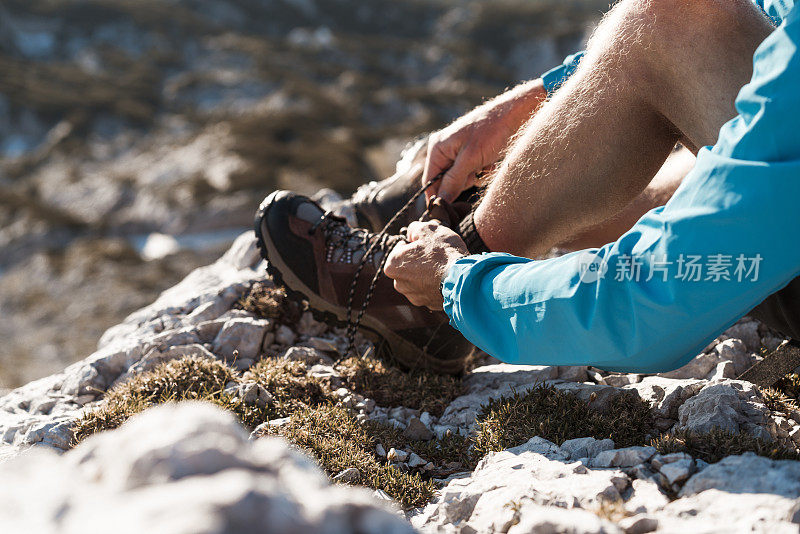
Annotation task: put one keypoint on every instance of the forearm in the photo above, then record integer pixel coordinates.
(517, 104)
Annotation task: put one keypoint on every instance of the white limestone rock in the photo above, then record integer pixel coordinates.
(481, 501)
(573, 373)
(677, 471)
(638, 524)
(626, 457)
(698, 367)
(182, 468)
(285, 335)
(417, 431)
(536, 519)
(747, 332)
(585, 447)
(646, 497)
(717, 511)
(729, 405)
(748, 473)
(539, 445)
(243, 336)
(666, 395)
(309, 326)
(307, 355)
(492, 381)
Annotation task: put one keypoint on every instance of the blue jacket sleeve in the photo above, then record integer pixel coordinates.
(558, 75)
(775, 9)
(737, 209)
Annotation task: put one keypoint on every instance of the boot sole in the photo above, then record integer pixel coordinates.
(405, 352)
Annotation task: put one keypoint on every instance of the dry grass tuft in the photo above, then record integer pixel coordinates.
(339, 441)
(263, 299)
(190, 378)
(389, 386)
(558, 416)
(194, 378)
(717, 444)
(289, 385)
(777, 401)
(789, 385)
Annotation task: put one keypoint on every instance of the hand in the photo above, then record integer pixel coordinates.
(418, 267)
(474, 143)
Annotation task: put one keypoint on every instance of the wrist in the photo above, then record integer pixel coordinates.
(526, 99)
(452, 259)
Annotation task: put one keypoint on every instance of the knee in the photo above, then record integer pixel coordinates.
(659, 32)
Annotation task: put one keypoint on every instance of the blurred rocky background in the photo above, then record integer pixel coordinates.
(138, 136)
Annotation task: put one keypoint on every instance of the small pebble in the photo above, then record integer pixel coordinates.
(397, 456)
(414, 460)
(417, 431)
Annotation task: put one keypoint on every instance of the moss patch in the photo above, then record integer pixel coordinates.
(558, 416)
(717, 444)
(389, 386)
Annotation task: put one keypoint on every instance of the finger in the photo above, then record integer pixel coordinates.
(456, 177)
(404, 289)
(418, 229)
(436, 161)
(394, 263)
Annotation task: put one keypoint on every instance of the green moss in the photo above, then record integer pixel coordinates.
(717, 444)
(558, 416)
(389, 386)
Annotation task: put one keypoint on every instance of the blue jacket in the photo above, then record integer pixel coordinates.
(650, 301)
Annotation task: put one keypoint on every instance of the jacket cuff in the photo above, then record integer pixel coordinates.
(555, 77)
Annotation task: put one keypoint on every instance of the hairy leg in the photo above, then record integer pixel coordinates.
(655, 72)
(657, 193)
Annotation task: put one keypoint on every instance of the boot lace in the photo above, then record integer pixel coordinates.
(347, 244)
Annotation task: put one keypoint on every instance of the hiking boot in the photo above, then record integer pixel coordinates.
(316, 256)
(375, 203)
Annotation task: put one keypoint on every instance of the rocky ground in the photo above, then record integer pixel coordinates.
(132, 130)
(505, 449)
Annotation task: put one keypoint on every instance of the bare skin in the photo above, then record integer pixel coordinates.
(655, 73)
(476, 141)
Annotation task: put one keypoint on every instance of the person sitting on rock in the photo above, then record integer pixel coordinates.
(682, 255)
